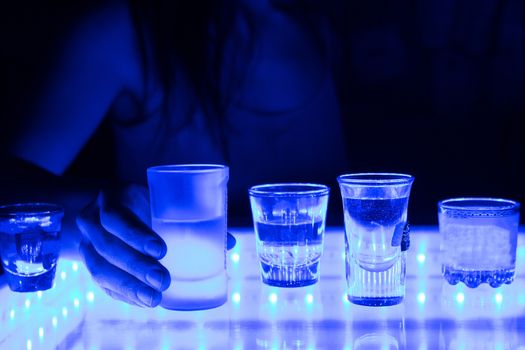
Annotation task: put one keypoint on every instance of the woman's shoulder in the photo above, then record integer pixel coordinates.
(105, 38)
(95, 59)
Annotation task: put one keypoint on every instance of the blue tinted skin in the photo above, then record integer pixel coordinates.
(285, 117)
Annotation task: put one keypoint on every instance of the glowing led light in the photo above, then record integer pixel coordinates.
(41, 332)
(343, 255)
(90, 296)
(64, 311)
(76, 302)
(12, 314)
(236, 297)
(272, 298)
(75, 267)
(421, 298)
(54, 321)
(499, 298)
(460, 297)
(28, 303)
(63, 275)
(39, 294)
(309, 298)
(423, 347)
(236, 257)
(29, 344)
(345, 299)
(421, 258)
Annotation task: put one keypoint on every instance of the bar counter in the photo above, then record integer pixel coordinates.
(76, 314)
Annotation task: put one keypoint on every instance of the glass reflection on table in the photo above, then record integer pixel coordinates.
(76, 314)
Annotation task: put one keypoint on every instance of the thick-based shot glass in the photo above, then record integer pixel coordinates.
(30, 244)
(478, 240)
(289, 221)
(375, 214)
(188, 210)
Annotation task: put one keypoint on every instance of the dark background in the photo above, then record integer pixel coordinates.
(433, 88)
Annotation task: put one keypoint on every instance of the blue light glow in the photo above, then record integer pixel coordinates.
(521, 299)
(345, 299)
(12, 314)
(460, 298)
(272, 298)
(41, 332)
(54, 321)
(39, 294)
(27, 303)
(90, 296)
(76, 302)
(235, 257)
(421, 298)
(29, 344)
(421, 258)
(309, 298)
(63, 275)
(498, 298)
(64, 312)
(75, 267)
(236, 297)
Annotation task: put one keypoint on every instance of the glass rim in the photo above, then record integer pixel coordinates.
(308, 189)
(448, 204)
(375, 179)
(187, 168)
(30, 209)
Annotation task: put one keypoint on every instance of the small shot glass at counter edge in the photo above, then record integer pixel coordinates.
(30, 244)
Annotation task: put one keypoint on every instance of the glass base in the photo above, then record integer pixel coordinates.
(472, 279)
(183, 295)
(24, 284)
(290, 276)
(192, 304)
(376, 288)
(375, 301)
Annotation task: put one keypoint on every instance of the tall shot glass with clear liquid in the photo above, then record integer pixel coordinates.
(188, 211)
(375, 214)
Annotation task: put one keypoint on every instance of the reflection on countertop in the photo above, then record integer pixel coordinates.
(76, 314)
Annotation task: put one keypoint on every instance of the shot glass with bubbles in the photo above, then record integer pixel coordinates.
(478, 240)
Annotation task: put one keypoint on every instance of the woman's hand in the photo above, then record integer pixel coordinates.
(119, 248)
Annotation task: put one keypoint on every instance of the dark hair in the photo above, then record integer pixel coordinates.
(191, 36)
(187, 36)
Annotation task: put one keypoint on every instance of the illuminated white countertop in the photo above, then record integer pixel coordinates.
(76, 314)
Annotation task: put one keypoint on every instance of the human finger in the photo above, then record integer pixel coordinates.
(122, 285)
(120, 254)
(124, 224)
